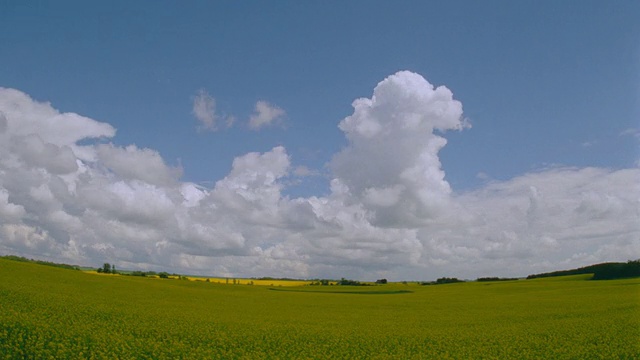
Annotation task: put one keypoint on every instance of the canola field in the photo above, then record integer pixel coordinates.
(259, 282)
(51, 313)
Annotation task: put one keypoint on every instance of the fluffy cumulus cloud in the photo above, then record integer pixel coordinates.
(552, 219)
(137, 164)
(390, 211)
(391, 164)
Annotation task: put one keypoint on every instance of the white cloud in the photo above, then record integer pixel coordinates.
(390, 212)
(204, 109)
(9, 212)
(3, 122)
(23, 117)
(142, 164)
(513, 226)
(35, 152)
(391, 163)
(265, 115)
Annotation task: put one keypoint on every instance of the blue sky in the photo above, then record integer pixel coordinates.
(544, 84)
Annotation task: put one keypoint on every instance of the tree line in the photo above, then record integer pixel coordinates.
(40, 262)
(111, 269)
(603, 271)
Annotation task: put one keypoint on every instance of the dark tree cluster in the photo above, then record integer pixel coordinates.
(344, 281)
(107, 269)
(443, 280)
(604, 271)
(142, 273)
(495, 279)
(161, 275)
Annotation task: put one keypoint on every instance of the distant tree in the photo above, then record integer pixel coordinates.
(442, 280)
(106, 268)
(381, 281)
(113, 269)
(344, 281)
(163, 275)
(445, 280)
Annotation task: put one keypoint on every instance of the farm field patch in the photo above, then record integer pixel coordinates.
(58, 313)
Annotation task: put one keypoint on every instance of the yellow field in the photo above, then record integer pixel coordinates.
(226, 281)
(52, 313)
(238, 281)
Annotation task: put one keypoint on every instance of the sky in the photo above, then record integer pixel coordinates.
(404, 140)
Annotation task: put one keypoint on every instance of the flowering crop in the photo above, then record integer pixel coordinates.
(50, 313)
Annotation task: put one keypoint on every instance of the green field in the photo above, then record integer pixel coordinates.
(56, 313)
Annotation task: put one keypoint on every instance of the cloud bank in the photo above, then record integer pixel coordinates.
(390, 212)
